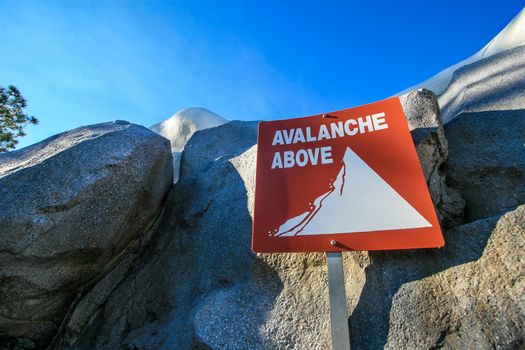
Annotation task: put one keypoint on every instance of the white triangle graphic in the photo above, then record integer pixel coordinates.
(359, 201)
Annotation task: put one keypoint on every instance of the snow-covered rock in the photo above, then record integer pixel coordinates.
(496, 83)
(513, 35)
(492, 79)
(181, 126)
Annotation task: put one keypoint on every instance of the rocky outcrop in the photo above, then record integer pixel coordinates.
(479, 302)
(190, 280)
(199, 285)
(70, 208)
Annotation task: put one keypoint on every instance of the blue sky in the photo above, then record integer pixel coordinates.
(84, 62)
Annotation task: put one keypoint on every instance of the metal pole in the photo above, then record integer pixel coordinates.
(337, 295)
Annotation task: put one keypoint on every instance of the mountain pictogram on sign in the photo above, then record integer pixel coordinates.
(359, 200)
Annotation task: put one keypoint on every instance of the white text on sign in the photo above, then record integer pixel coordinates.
(321, 155)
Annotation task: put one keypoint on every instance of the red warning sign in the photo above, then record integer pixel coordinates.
(350, 180)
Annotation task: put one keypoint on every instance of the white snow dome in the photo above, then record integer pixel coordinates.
(181, 126)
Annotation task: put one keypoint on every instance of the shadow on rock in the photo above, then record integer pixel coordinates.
(487, 161)
(388, 271)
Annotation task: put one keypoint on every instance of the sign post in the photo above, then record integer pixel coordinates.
(348, 180)
(337, 296)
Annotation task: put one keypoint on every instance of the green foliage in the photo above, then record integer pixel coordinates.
(12, 117)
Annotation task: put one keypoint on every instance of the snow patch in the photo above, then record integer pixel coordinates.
(181, 126)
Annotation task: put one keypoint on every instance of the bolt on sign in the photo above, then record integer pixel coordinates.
(348, 180)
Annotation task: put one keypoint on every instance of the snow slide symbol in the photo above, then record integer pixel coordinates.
(358, 201)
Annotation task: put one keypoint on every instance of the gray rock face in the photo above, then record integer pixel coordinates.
(70, 207)
(199, 285)
(487, 161)
(479, 304)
